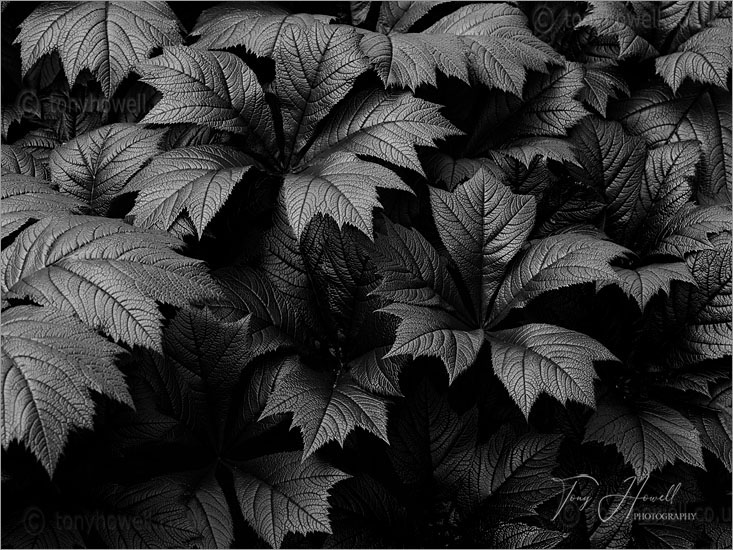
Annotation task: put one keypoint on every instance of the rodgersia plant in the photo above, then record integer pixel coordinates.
(382, 274)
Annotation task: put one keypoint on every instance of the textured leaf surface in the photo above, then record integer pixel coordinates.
(106, 272)
(689, 229)
(645, 282)
(196, 179)
(430, 440)
(341, 186)
(411, 60)
(314, 69)
(211, 514)
(214, 89)
(326, 407)
(646, 433)
(613, 162)
(622, 24)
(533, 123)
(382, 125)
(50, 362)
(552, 263)
(280, 494)
(500, 46)
(540, 358)
(693, 113)
(16, 160)
(398, 17)
(705, 57)
(108, 38)
(483, 225)
(520, 535)
(96, 166)
(514, 470)
(25, 198)
(156, 508)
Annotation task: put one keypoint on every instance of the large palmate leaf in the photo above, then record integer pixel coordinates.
(699, 113)
(326, 407)
(94, 167)
(25, 198)
(383, 125)
(551, 263)
(540, 358)
(499, 45)
(648, 434)
(315, 68)
(435, 322)
(108, 38)
(214, 89)
(514, 472)
(483, 225)
(342, 186)
(50, 364)
(279, 494)
(104, 271)
(704, 57)
(196, 179)
(533, 123)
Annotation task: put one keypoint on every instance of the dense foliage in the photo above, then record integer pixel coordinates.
(366, 274)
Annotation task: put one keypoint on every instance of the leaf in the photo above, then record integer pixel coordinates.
(704, 57)
(647, 433)
(645, 282)
(712, 419)
(539, 358)
(520, 535)
(429, 440)
(396, 17)
(500, 46)
(257, 28)
(411, 60)
(50, 364)
(314, 70)
(382, 125)
(678, 21)
(107, 38)
(359, 11)
(623, 24)
(151, 514)
(613, 162)
(208, 505)
(515, 472)
(526, 125)
(551, 263)
(326, 407)
(434, 321)
(601, 84)
(689, 228)
(667, 185)
(106, 272)
(699, 113)
(16, 160)
(483, 225)
(25, 198)
(280, 494)
(214, 89)
(96, 166)
(341, 186)
(197, 180)
(376, 373)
